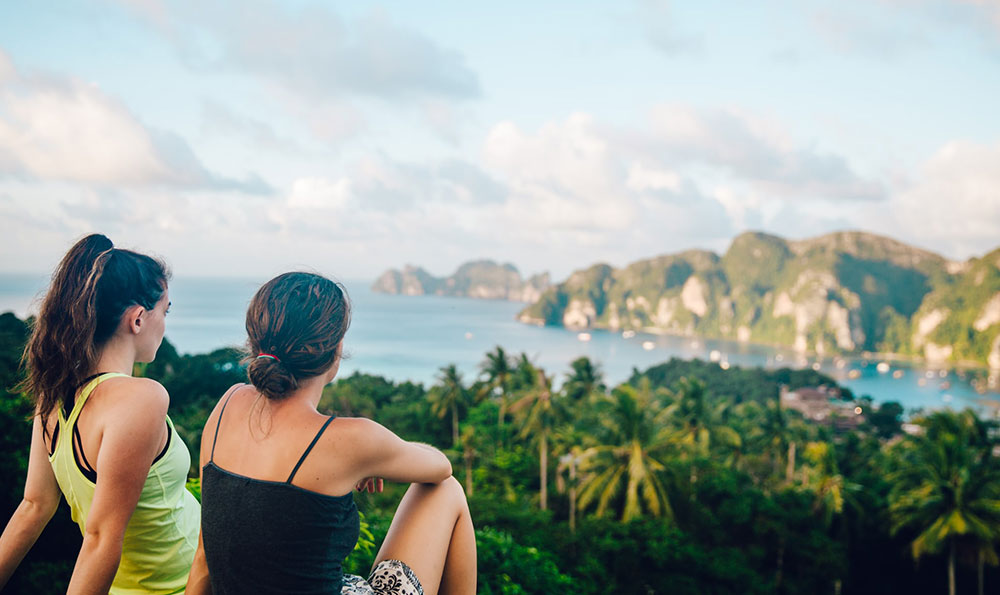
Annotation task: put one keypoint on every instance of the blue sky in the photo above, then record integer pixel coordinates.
(244, 138)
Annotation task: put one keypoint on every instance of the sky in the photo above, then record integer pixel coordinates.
(247, 138)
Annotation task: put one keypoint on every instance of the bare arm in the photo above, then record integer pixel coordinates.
(129, 443)
(199, 580)
(41, 498)
(384, 454)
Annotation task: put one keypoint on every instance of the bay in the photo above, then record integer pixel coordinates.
(412, 337)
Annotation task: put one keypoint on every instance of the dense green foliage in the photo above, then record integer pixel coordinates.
(685, 479)
(843, 292)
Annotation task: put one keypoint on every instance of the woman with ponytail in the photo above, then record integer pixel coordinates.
(102, 438)
(277, 476)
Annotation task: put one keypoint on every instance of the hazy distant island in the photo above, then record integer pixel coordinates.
(483, 279)
(845, 292)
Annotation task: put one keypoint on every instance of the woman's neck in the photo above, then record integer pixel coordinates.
(115, 356)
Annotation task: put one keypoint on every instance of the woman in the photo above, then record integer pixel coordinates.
(101, 437)
(278, 509)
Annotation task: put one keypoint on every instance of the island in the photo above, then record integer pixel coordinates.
(847, 292)
(482, 279)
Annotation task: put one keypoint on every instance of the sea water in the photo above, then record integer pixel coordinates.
(412, 337)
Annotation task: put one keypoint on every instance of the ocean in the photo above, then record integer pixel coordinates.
(412, 337)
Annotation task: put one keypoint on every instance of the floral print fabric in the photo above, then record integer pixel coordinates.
(389, 577)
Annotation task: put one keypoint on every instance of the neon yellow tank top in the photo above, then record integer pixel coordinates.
(162, 535)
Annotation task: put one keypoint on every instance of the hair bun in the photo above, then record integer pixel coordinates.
(271, 378)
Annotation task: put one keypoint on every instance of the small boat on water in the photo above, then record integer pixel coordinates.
(882, 367)
(714, 355)
(583, 337)
(854, 374)
(897, 374)
(648, 345)
(628, 334)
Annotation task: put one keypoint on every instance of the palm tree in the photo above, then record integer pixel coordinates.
(448, 397)
(569, 463)
(584, 380)
(541, 413)
(469, 454)
(698, 424)
(946, 485)
(497, 370)
(631, 457)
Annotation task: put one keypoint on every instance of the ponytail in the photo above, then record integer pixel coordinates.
(90, 290)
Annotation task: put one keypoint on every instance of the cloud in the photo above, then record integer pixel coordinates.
(953, 202)
(312, 51)
(218, 119)
(66, 129)
(751, 150)
(872, 35)
(662, 30)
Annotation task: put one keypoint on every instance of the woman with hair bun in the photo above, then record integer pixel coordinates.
(102, 438)
(277, 476)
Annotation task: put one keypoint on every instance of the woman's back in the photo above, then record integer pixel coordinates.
(262, 532)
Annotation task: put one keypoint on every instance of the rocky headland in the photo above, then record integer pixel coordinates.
(483, 279)
(845, 292)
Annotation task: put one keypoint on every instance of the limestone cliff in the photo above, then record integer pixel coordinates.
(483, 279)
(844, 292)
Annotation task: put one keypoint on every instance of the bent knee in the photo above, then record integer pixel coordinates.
(449, 489)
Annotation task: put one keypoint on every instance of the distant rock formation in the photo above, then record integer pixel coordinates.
(482, 279)
(845, 292)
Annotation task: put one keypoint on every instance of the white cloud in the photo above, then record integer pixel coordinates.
(69, 130)
(320, 193)
(311, 50)
(953, 202)
(752, 150)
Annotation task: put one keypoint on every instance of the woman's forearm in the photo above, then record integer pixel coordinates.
(21, 533)
(97, 564)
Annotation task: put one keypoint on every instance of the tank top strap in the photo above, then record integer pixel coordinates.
(81, 399)
(218, 422)
(309, 448)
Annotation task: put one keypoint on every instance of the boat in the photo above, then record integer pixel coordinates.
(628, 334)
(897, 374)
(583, 337)
(648, 345)
(714, 355)
(882, 367)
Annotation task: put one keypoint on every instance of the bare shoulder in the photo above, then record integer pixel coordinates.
(364, 435)
(241, 388)
(142, 394)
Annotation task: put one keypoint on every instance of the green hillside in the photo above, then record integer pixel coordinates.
(845, 292)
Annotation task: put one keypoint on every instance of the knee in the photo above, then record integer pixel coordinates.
(449, 490)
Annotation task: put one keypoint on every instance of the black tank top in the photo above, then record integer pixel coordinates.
(273, 537)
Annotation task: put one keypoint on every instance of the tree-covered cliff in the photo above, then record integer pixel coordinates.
(476, 279)
(844, 292)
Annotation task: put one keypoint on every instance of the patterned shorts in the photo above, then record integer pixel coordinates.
(389, 577)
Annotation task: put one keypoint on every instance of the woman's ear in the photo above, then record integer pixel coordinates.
(134, 318)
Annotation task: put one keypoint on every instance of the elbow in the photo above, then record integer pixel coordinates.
(40, 509)
(98, 540)
(445, 470)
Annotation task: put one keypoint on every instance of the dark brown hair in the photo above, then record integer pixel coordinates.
(299, 319)
(91, 289)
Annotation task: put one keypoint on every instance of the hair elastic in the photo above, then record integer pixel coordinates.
(268, 355)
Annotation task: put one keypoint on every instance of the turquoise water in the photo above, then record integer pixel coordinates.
(410, 338)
